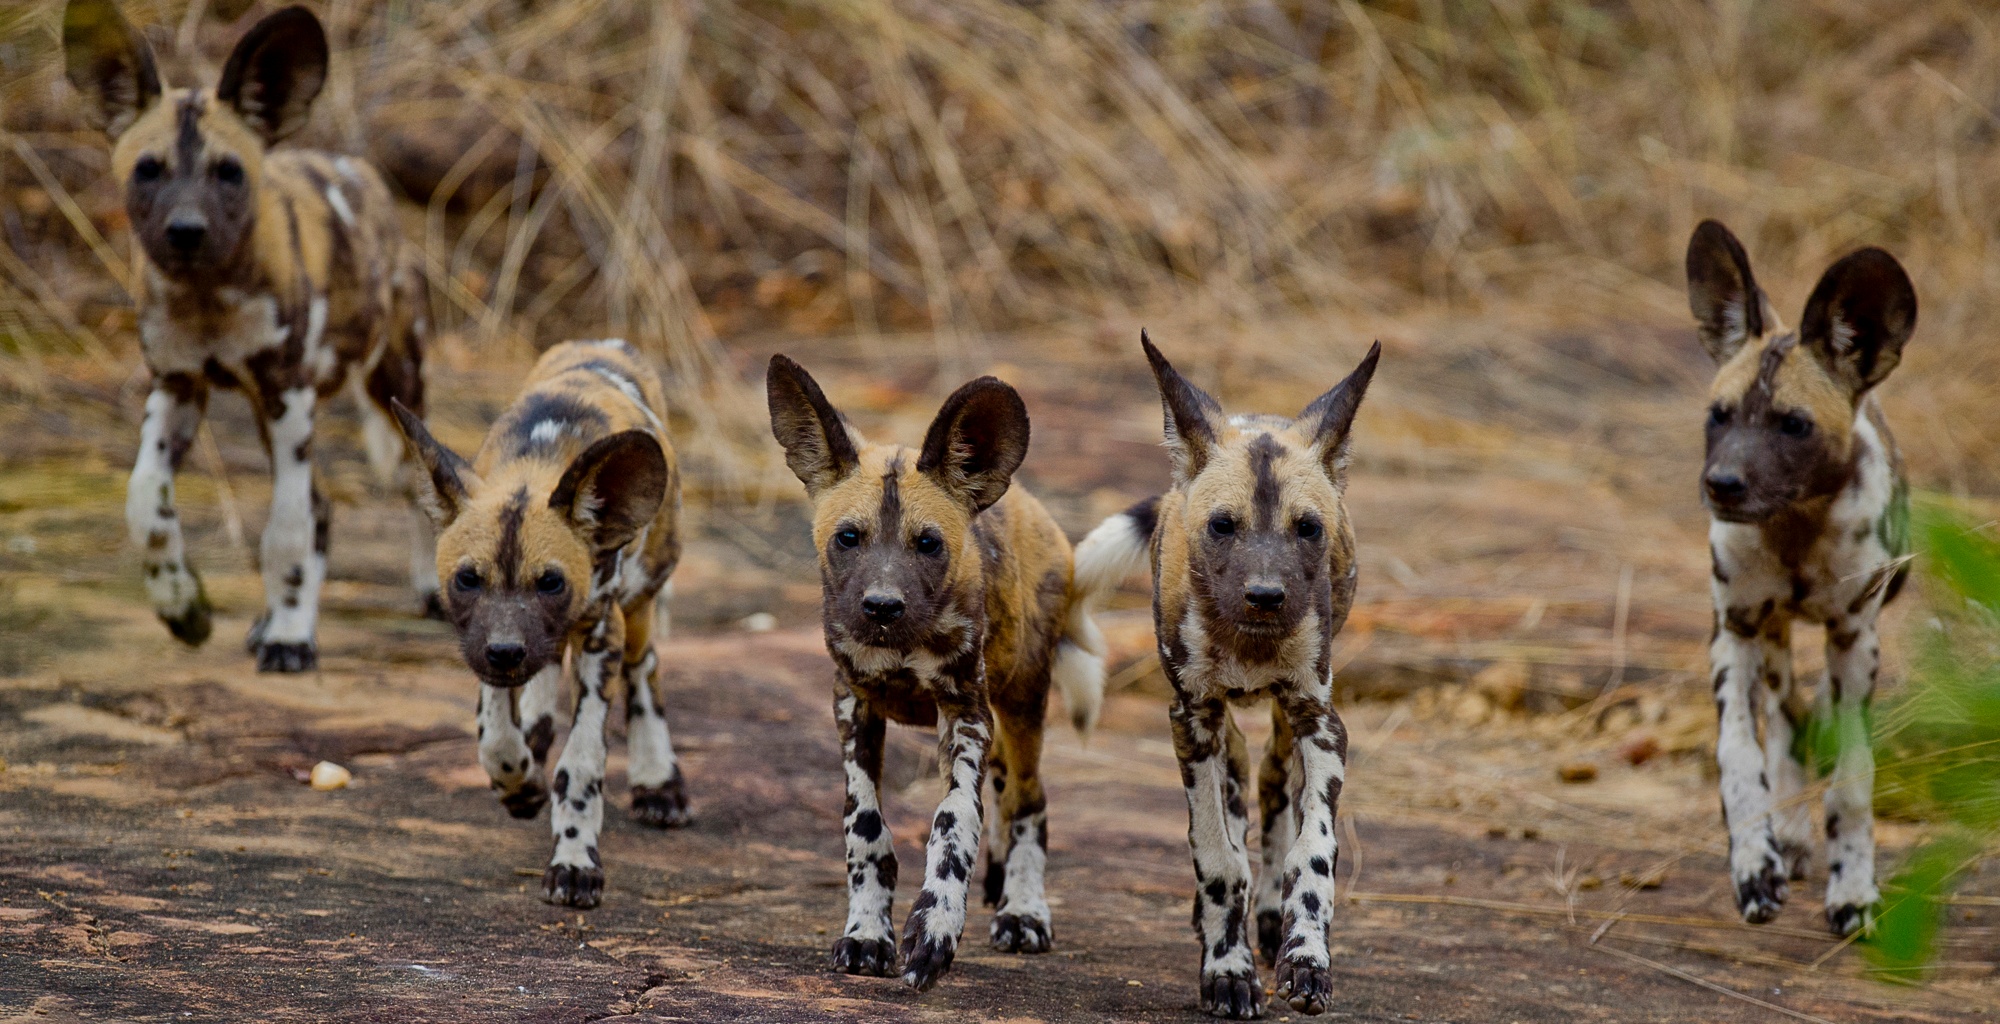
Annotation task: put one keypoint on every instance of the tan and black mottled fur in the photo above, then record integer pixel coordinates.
(1808, 523)
(280, 273)
(949, 602)
(1253, 574)
(559, 537)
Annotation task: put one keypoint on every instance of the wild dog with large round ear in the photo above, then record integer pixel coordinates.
(1253, 574)
(283, 273)
(1809, 517)
(949, 602)
(560, 536)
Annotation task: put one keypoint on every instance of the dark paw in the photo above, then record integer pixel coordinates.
(1797, 858)
(1762, 895)
(526, 802)
(568, 886)
(925, 960)
(193, 626)
(431, 606)
(876, 957)
(1849, 918)
(277, 657)
(996, 882)
(1013, 933)
(662, 806)
(1306, 986)
(1232, 996)
(1270, 935)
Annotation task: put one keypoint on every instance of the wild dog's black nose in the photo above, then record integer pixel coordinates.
(1265, 599)
(1725, 488)
(186, 235)
(881, 609)
(505, 657)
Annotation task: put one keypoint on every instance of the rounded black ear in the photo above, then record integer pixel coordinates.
(1860, 314)
(451, 479)
(109, 63)
(977, 441)
(817, 445)
(1331, 415)
(275, 72)
(1192, 415)
(614, 489)
(1722, 293)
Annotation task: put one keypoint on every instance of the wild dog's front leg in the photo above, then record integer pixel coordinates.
(1853, 659)
(868, 944)
(1274, 797)
(1791, 823)
(937, 916)
(1737, 657)
(295, 539)
(1021, 924)
(575, 876)
(659, 792)
(516, 727)
(173, 414)
(1229, 986)
(1304, 959)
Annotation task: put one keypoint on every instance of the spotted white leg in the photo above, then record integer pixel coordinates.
(937, 915)
(173, 414)
(1021, 923)
(516, 726)
(994, 884)
(1853, 660)
(1274, 798)
(1229, 986)
(1737, 656)
(387, 454)
(659, 791)
(575, 876)
(1304, 961)
(1791, 819)
(294, 545)
(867, 945)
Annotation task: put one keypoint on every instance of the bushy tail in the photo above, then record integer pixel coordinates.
(1116, 549)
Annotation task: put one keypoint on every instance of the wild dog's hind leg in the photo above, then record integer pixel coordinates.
(516, 726)
(575, 876)
(1738, 655)
(295, 539)
(659, 793)
(1853, 659)
(1791, 819)
(173, 414)
(868, 944)
(1229, 986)
(1021, 924)
(995, 884)
(1274, 799)
(399, 376)
(937, 915)
(1304, 959)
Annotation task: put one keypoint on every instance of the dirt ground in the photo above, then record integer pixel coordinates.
(1532, 599)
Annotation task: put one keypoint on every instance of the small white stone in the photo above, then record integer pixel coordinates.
(326, 776)
(759, 622)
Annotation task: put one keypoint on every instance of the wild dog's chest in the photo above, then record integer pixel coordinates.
(235, 338)
(1210, 665)
(1819, 563)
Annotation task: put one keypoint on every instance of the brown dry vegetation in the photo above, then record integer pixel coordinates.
(908, 193)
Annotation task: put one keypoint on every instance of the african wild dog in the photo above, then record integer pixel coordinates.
(560, 535)
(281, 273)
(949, 600)
(1253, 575)
(1809, 520)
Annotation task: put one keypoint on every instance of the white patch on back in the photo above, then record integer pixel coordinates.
(548, 432)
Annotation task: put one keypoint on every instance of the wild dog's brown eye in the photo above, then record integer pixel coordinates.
(467, 579)
(1794, 425)
(929, 544)
(1718, 415)
(1221, 524)
(551, 583)
(849, 538)
(229, 171)
(149, 168)
(1307, 528)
